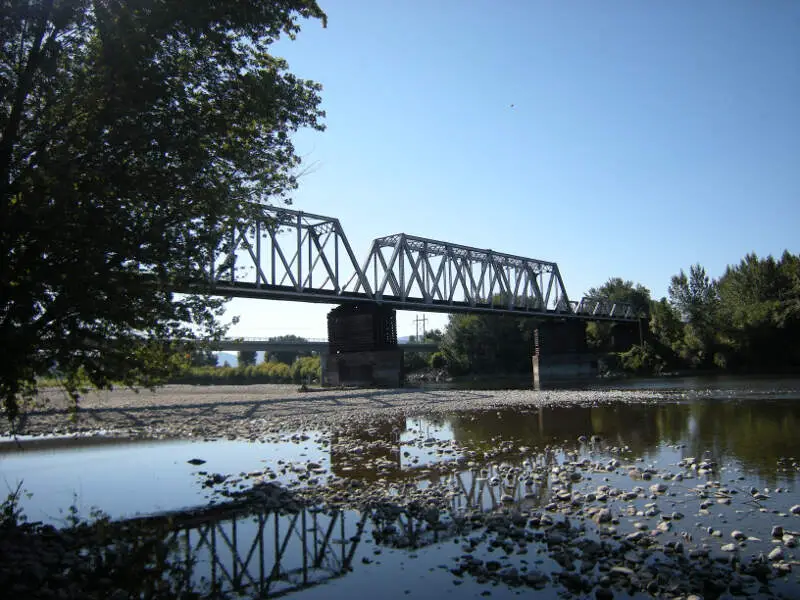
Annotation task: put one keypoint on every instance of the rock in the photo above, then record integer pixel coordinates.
(795, 510)
(777, 531)
(196, 461)
(635, 536)
(729, 548)
(603, 515)
(738, 535)
(603, 594)
(776, 554)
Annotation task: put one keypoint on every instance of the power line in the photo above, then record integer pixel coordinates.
(417, 321)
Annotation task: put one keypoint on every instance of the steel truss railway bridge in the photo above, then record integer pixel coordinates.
(284, 254)
(281, 254)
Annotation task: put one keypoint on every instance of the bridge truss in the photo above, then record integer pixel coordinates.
(291, 255)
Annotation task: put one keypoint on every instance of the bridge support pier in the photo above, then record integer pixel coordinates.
(561, 355)
(362, 347)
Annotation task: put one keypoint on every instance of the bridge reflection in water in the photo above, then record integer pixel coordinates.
(258, 552)
(249, 550)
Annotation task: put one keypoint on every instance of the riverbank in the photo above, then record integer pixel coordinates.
(252, 411)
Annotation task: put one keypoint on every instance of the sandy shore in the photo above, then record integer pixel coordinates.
(252, 410)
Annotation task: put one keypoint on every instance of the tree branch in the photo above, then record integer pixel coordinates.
(11, 131)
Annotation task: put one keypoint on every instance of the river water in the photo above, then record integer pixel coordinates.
(734, 445)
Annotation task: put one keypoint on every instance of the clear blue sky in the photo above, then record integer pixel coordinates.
(643, 136)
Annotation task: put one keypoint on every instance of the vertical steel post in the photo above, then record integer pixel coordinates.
(310, 264)
(299, 252)
(401, 242)
(273, 257)
(258, 254)
(336, 261)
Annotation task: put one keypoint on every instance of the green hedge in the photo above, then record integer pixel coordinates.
(304, 369)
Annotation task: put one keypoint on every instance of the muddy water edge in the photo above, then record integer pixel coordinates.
(690, 492)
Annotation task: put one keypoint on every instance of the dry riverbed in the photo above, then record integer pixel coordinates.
(250, 411)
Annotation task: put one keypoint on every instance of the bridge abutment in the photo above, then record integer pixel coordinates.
(362, 347)
(560, 354)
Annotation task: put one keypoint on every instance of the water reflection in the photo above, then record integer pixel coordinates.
(240, 549)
(756, 434)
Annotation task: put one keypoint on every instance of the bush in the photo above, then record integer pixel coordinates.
(306, 368)
(437, 360)
(269, 372)
(640, 359)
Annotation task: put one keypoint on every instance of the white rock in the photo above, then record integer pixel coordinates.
(776, 554)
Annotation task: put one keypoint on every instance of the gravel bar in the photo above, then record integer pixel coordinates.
(250, 411)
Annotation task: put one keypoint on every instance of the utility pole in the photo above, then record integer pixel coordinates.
(417, 321)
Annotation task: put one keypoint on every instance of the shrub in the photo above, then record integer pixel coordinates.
(437, 360)
(306, 368)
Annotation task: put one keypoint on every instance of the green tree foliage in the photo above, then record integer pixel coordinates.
(303, 370)
(694, 296)
(437, 360)
(476, 343)
(696, 299)
(618, 290)
(759, 311)
(287, 356)
(202, 357)
(247, 358)
(414, 361)
(749, 319)
(306, 369)
(132, 135)
(599, 335)
(434, 335)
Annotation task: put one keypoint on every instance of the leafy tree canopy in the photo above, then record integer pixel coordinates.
(247, 358)
(618, 290)
(131, 134)
(287, 356)
(479, 343)
(600, 336)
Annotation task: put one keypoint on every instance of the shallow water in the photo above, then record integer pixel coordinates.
(748, 428)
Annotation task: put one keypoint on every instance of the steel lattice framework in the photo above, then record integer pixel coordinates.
(291, 255)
